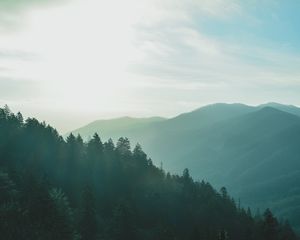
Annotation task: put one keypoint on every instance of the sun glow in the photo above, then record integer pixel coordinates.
(83, 60)
(80, 53)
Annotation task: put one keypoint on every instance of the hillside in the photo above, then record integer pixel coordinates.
(254, 151)
(286, 108)
(115, 128)
(256, 156)
(70, 190)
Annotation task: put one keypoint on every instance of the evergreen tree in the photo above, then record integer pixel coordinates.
(123, 225)
(287, 232)
(95, 157)
(41, 174)
(270, 226)
(11, 220)
(95, 147)
(223, 192)
(88, 221)
(123, 147)
(65, 217)
(223, 235)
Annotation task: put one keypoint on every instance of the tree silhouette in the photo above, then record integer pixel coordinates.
(125, 196)
(88, 220)
(270, 226)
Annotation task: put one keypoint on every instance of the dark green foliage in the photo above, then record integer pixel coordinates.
(65, 215)
(287, 232)
(67, 190)
(123, 225)
(88, 221)
(270, 226)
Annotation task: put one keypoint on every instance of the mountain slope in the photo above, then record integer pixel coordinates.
(205, 116)
(254, 151)
(69, 190)
(286, 108)
(117, 127)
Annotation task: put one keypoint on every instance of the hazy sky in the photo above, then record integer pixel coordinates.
(73, 61)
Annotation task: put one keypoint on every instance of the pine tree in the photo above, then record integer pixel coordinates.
(88, 220)
(123, 147)
(11, 217)
(95, 146)
(140, 157)
(270, 226)
(123, 225)
(65, 218)
(224, 193)
(286, 232)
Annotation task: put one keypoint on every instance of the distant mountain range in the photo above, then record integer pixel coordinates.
(253, 151)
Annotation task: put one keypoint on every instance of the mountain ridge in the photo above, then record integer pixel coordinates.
(247, 148)
(286, 108)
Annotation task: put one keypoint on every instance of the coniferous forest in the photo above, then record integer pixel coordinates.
(51, 188)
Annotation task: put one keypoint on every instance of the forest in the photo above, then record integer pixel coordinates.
(68, 189)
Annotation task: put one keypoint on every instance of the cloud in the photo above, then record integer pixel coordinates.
(171, 39)
(12, 11)
(180, 49)
(13, 5)
(17, 89)
(16, 54)
(144, 56)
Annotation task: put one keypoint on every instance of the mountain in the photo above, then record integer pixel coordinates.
(59, 189)
(256, 156)
(207, 115)
(254, 151)
(115, 128)
(286, 108)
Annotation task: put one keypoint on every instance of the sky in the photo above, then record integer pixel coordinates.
(70, 62)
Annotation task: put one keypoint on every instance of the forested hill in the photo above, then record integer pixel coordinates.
(56, 189)
(253, 151)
